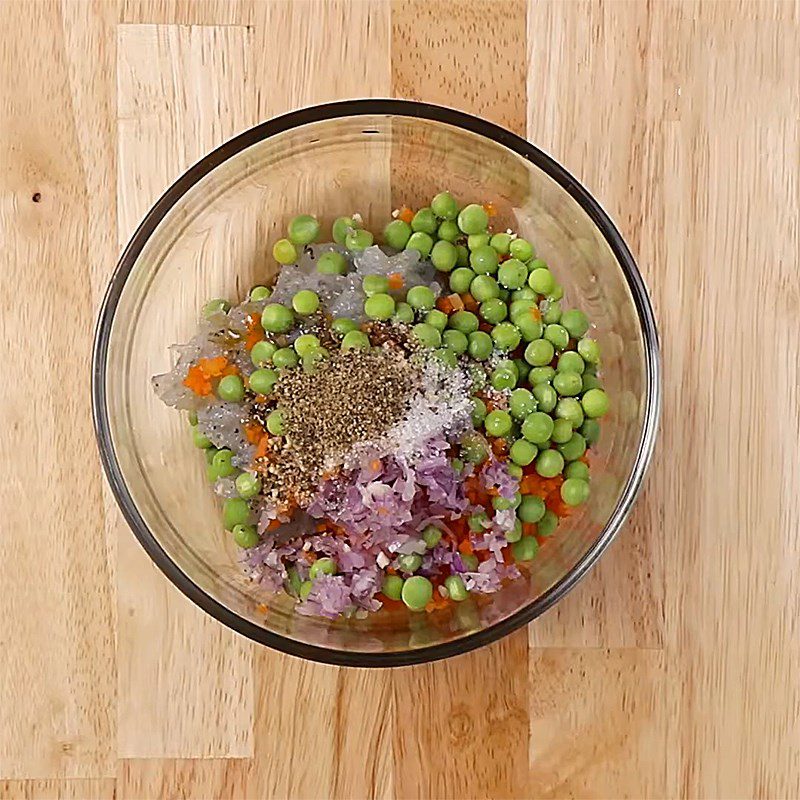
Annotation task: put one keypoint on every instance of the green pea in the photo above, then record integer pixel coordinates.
(397, 233)
(537, 263)
(214, 307)
(449, 232)
(464, 321)
(570, 362)
(456, 590)
(248, 485)
(577, 469)
(573, 449)
(293, 582)
(521, 249)
(262, 380)
(478, 411)
(436, 318)
(431, 535)
(200, 440)
(494, 310)
(231, 389)
(529, 326)
(484, 287)
(379, 306)
(262, 353)
(525, 549)
(312, 360)
(484, 260)
(512, 274)
(409, 563)
(444, 256)
(506, 336)
(303, 229)
(503, 503)
(574, 491)
(546, 397)
(446, 357)
(568, 384)
(358, 240)
(590, 430)
(460, 279)
(476, 240)
(276, 318)
(455, 341)
(521, 403)
(211, 473)
(480, 345)
(245, 536)
(284, 252)
(521, 308)
(515, 470)
(458, 465)
(403, 313)
(421, 242)
(374, 284)
(590, 381)
(541, 375)
(417, 592)
(305, 589)
(551, 312)
(473, 219)
(305, 344)
(547, 524)
(557, 293)
(531, 509)
(523, 369)
(570, 409)
(424, 220)
(332, 263)
(525, 293)
(193, 418)
(541, 280)
(562, 431)
(341, 227)
(557, 336)
(343, 325)
(285, 358)
(508, 364)
(322, 566)
(503, 379)
(549, 463)
(523, 452)
(259, 293)
(463, 255)
(500, 242)
(474, 448)
(515, 534)
(537, 427)
(444, 205)
(235, 511)
(421, 298)
(575, 322)
(222, 463)
(392, 586)
(589, 351)
(539, 353)
(305, 302)
(595, 403)
(427, 335)
(497, 423)
(355, 340)
(275, 423)
(478, 522)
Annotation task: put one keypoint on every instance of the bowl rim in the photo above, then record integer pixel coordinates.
(356, 108)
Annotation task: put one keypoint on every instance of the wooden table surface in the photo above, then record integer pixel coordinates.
(672, 671)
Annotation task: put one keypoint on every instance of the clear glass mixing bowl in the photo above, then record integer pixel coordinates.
(211, 234)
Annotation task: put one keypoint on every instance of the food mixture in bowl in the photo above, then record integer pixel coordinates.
(404, 422)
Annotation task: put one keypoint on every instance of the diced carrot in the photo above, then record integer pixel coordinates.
(231, 369)
(253, 431)
(456, 301)
(274, 525)
(529, 529)
(406, 214)
(484, 326)
(396, 281)
(470, 303)
(213, 367)
(465, 546)
(197, 381)
(490, 209)
(499, 446)
(263, 445)
(535, 313)
(444, 305)
(321, 526)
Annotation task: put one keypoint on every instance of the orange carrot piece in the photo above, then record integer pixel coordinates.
(253, 431)
(490, 209)
(456, 301)
(465, 546)
(213, 367)
(263, 445)
(406, 214)
(197, 381)
(396, 281)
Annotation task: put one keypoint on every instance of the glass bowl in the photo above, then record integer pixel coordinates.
(211, 234)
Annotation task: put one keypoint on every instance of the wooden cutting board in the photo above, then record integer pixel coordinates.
(672, 671)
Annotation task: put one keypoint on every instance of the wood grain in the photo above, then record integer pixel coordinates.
(671, 671)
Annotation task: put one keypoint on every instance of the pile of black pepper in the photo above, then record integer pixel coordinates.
(354, 396)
